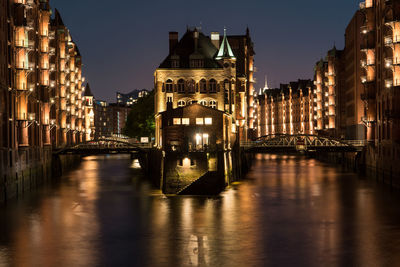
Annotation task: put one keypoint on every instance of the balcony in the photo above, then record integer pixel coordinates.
(52, 34)
(22, 65)
(22, 43)
(52, 67)
(44, 66)
(52, 51)
(388, 62)
(396, 61)
(388, 83)
(21, 116)
(364, 29)
(363, 79)
(388, 40)
(32, 66)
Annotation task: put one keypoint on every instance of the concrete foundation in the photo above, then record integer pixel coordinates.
(208, 173)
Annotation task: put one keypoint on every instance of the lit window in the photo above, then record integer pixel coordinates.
(199, 121)
(177, 121)
(213, 104)
(185, 121)
(169, 99)
(203, 102)
(181, 103)
(208, 121)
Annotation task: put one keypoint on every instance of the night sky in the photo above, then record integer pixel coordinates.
(123, 42)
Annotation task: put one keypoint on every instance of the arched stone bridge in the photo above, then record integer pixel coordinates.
(302, 142)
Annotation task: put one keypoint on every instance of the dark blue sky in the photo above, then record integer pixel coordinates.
(122, 42)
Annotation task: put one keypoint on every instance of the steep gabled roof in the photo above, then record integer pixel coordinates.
(88, 92)
(57, 18)
(186, 48)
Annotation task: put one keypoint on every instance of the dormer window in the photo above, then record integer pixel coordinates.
(174, 61)
(174, 64)
(197, 63)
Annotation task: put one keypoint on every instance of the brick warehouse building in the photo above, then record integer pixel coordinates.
(41, 105)
(380, 48)
(286, 110)
(205, 70)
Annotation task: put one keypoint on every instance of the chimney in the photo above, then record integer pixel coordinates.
(215, 39)
(196, 40)
(173, 40)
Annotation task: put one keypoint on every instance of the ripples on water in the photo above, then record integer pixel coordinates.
(290, 211)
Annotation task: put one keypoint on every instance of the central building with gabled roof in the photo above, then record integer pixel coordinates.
(201, 69)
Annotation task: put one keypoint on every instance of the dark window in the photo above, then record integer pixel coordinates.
(203, 86)
(181, 86)
(213, 86)
(169, 86)
(191, 86)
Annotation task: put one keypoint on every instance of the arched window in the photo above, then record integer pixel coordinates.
(181, 103)
(181, 86)
(203, 102)
(213, 86)
(169, 86)
(203, 86)
(190, 102)
(192, 87)
(213, 104)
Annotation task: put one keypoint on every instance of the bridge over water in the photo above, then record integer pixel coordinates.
(105, 146)
(281, 143)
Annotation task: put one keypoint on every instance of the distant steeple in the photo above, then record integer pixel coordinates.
(265, 86)
(266, 83)
(225, 50)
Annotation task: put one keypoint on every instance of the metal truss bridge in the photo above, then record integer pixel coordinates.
(302, 143)
(104, 146)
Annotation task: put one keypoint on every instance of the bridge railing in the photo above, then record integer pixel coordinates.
(289, 142)
(356, 142)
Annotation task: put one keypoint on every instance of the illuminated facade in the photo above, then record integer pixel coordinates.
(381, 79)
(41, 84)
(204, 70)
(329, 81)
(286, 110)
(353, 97)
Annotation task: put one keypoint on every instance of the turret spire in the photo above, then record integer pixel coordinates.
(225, 50)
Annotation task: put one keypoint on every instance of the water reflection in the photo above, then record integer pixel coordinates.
(291, 211)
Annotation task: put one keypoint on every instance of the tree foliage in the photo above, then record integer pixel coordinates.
(140, 122)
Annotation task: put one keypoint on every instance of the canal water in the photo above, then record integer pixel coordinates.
(290, 211)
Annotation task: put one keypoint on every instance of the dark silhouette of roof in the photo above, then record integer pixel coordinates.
(186, 48)
(88, 92)
(57, 18)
